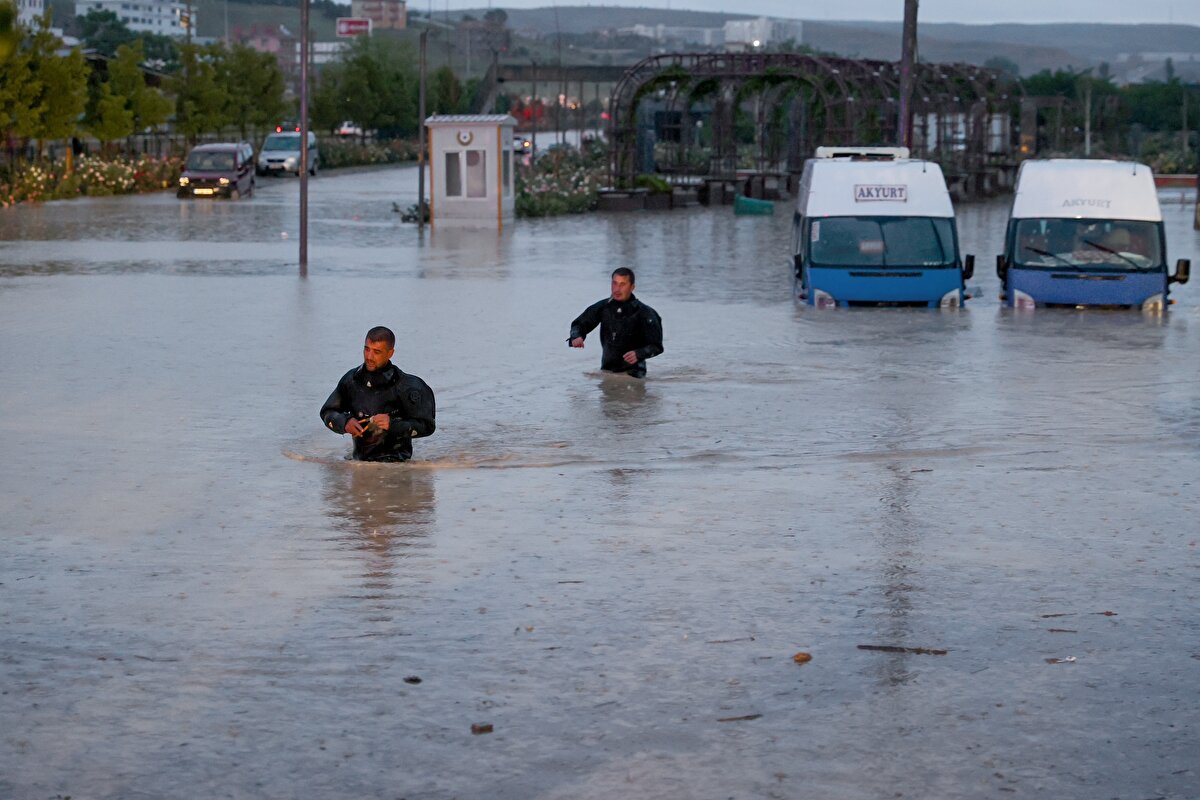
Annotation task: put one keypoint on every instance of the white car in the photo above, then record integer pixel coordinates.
(348, 128)
(280, 153)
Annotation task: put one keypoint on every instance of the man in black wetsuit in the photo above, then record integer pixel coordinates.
(383, 408)
(630, 330)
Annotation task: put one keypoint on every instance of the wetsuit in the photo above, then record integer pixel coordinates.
(361, 394)
(624, 326)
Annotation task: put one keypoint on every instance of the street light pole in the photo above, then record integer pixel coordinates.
(421, 135)
(303, 138)
(908, 54)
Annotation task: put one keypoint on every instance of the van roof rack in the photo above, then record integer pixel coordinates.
(863, 153)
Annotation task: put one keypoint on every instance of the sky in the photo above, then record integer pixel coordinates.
(1182, 12)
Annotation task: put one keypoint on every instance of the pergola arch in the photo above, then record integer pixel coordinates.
(811, 100)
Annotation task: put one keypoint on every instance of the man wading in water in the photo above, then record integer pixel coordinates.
(383, 408)
(630, 330)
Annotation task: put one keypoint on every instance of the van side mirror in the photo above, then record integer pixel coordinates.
(968, 266)
(1002, 269)
(1183, 271)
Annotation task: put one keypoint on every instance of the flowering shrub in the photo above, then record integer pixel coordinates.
(350, 152)
(94, 176)
(560, 182)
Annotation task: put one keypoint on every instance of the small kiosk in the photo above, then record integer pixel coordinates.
(471, 169)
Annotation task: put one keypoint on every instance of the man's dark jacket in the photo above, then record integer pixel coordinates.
(361, 394)
(624, 326)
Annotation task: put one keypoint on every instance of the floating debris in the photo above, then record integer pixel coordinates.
(802, 658)
(1067, 660)
(481, 727)
(744, 718)
(887, 648)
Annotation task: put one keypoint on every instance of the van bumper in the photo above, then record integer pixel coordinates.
(852, 285)
(1078, 288)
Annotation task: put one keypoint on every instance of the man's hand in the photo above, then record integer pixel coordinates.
(577, 341)
(382, 421)
(631, 357)
(355, 427)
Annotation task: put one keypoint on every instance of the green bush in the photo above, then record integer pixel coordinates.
(350, 152)
(564, 181)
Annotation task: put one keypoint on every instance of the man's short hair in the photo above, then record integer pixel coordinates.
(625, 272)
(382, 334)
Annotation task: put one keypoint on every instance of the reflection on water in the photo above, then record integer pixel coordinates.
(384, 512)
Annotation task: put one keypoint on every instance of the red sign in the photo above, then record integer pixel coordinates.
(353, 26)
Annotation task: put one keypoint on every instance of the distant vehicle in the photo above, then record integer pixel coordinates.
(1086, 232)
(218, 170)
(348, 128)
(522, 145)
(281, 153)
(874, 227)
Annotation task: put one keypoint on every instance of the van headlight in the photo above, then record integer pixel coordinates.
(1023, 301)
(290, 161)
(1154, 304)
(951, 299)
(223, 181)
(823, 299)
(184, 181)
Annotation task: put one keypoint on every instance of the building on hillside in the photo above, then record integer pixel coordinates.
(1149, 66)
(165, 17)
(744, 35)
(29, 10)
(280, 42)
(391, 14)
(707, 37)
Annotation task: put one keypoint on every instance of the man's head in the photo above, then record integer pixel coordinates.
(622, 284)
(378, 348)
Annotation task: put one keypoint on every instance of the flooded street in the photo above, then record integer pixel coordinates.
(199, 597)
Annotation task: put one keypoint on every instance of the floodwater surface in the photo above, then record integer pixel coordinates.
(199, 596)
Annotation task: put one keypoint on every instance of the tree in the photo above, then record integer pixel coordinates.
(104, 32)
(375, 84)
(109, 117)
(201, 100)
(147, 105)
(1005, 66)
(254, 84)
(445, 95)
(51, 93)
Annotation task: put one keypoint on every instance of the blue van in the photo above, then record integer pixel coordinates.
(1086, 232)
(874, 227)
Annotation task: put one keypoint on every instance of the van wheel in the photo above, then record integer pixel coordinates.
(250, 190)
(234, 194)
(313, 170)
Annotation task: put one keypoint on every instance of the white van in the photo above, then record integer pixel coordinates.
(875, 227)
(1086, 232)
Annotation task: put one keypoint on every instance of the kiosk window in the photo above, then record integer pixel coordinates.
(453, 175)
(476, 173)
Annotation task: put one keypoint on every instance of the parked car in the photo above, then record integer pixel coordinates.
(348, 128)
(281, 153)
(218, 170)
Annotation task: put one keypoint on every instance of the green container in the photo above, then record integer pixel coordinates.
(748, 205)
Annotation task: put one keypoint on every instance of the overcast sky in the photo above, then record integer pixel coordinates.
(1186, 12)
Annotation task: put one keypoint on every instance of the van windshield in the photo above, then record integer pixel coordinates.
(282, 141)
(1087, 244)
(210, 162)
(882, 242)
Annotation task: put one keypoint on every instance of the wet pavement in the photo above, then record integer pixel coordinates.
(200, 598)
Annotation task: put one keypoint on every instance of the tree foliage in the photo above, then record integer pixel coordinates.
(375, 85)
(43, 94)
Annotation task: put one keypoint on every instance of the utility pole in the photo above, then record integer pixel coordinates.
(304, 138)
(1087, 116)
(908, 55)
(533, 112)
(421, 134)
